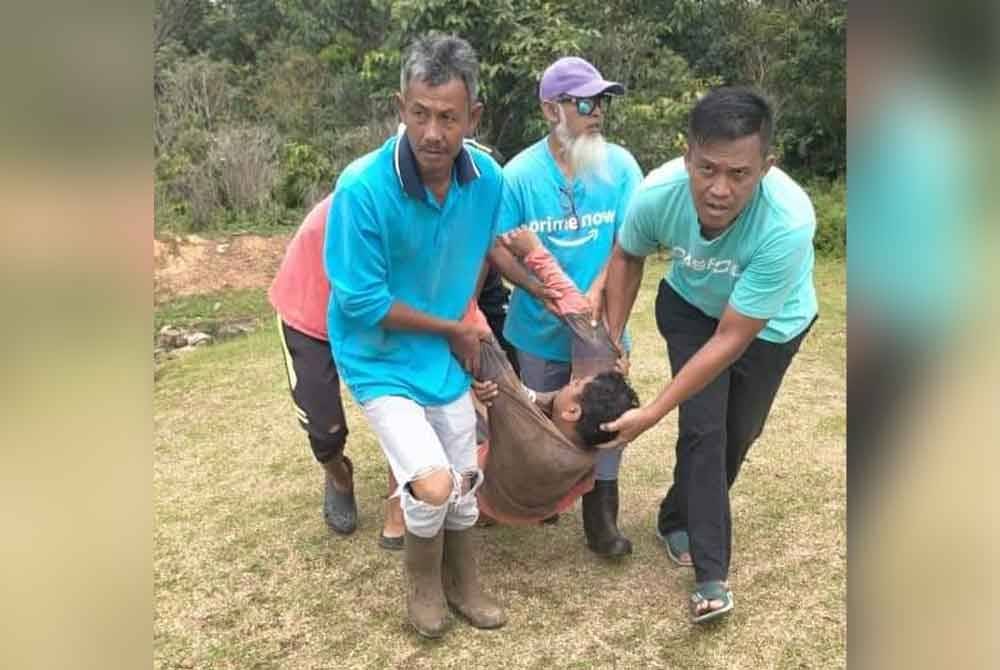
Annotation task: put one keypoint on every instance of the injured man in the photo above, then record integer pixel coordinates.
(541, 448)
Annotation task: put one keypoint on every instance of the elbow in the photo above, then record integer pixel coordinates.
(362, 308)
(619, 255)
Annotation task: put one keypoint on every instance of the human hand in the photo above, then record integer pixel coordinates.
(595, 296)
(547, 296)
(485, 391)
(623, 364)
(464, 341)
(629, 425)
(520, 241)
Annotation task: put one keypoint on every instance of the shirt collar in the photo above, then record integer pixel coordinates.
(408, 171)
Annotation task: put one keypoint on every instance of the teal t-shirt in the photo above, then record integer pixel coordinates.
(576, 223)
(762, 264)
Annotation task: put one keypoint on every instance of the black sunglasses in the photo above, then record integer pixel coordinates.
(586, 106)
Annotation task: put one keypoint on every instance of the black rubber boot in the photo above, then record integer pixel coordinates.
(600, 520)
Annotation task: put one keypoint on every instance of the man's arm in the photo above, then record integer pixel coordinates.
(622, 285)
(524, 245)
(732, 336)
(513, 271)
(463, 338)
(595, 294)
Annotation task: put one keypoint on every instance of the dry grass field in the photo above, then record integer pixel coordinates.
(248, 576)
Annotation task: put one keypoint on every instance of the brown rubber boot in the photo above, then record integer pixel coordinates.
(425, 604)
(461, 581)
(600, 520)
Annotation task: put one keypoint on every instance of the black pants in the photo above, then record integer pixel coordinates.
(716, 428)
(315, 387)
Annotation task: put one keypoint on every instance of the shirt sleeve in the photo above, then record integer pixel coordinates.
(354, 232)
(510, 214)
(766, 283)
(497, 215)
(639, 234)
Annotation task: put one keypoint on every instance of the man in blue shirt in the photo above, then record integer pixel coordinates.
(571, 188)
(409, 228)
(734, 309)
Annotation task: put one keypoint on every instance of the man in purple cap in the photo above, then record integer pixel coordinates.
(571, 188)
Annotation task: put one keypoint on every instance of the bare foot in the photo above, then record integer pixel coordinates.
(393, 525)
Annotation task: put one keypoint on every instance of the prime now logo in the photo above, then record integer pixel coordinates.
(550, 225)
(589, 220)
(714, 265)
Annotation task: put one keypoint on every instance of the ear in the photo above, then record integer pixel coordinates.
(571, 413)
(400, 105)
(768, 164)
(549, 112)
(687, 156)
(475, 114)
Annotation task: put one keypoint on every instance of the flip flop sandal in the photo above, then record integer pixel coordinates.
(391, 543)
(704, 593)
(677, 542)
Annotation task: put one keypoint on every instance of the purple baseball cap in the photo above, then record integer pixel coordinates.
(576, 77)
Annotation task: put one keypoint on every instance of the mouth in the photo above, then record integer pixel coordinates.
(716, 210)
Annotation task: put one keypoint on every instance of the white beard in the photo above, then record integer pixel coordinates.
(586, 154)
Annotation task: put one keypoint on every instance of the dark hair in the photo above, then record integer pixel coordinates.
(730, 113)
(436, 59)
(605, 398)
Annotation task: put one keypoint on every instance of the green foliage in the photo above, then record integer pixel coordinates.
(830, 201)
(305, 174)
(792, 51)
(316, 78)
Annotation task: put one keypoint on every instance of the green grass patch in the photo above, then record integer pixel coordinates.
(230, 305)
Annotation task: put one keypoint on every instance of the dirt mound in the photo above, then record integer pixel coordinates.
(191, 265)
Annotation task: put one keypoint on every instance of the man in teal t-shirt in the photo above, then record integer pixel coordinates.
(572, 189)
(734, 309)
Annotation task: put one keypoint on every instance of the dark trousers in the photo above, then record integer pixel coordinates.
(315, 387)
(715, 430)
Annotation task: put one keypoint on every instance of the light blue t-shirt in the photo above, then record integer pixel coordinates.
(576, 223)
(389, 239)
(762, 264)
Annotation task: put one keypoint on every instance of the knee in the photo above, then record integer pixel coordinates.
(435, 488)
(328, 446)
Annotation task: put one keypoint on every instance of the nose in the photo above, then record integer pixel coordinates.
(432, 131)
(720, 188)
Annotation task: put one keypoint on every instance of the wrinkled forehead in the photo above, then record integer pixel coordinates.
(448, 95)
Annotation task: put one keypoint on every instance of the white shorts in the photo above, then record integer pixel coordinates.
(418, 440)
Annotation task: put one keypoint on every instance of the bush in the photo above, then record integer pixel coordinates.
(306, 175)
(830, 200)
(242, 160)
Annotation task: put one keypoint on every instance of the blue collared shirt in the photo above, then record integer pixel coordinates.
(389, 239)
